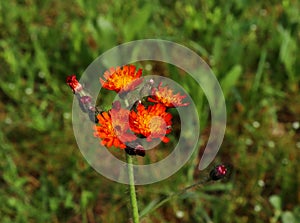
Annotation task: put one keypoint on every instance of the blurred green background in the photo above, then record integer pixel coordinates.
(253, 48)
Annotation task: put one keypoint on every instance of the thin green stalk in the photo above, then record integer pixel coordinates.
(133, 201)
(162, 202)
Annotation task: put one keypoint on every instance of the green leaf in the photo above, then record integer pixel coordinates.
(288, 52)
(137, 22)
(54, 204)
(288, 217)
(149, 207)
(85, 197)
(230, 80)
(259, 71)
(69, 201)
(275, 200)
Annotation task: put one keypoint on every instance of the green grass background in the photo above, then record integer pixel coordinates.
(252, 47)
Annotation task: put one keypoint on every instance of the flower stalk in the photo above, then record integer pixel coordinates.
(217, 173)
(168, 198)
(133, 200)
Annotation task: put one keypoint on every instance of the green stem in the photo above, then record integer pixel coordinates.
(133, 201)
(163, 201)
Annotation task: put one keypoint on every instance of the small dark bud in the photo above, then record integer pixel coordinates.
(140, 151)
(137, 150)
(130, 151)
(135, 105)
(86, 100)
(82, 106)
(93, 116)
(219, 172)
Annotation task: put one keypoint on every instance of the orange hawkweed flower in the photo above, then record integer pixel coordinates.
(165, 96)
(113, 128)
(123, 79)
(151, 122)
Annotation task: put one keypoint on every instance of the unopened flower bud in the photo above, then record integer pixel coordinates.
(135, 150)
(74, 84)
(219, 172)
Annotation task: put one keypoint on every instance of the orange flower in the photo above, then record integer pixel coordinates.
(165, 96)
(112, 128)
(153, 122)
(123, 79)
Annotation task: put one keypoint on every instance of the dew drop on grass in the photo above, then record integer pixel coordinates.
(257, 208)
(41, 75)
(67, 115)
(271, 144)
(28, 91)
(249, 142)
(179, 214)
(296, 125)
(261, 183)
(256, 124)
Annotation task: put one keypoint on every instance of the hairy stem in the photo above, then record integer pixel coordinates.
(133, 201)
(163, 201)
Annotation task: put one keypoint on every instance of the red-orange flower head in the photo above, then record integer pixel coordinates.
(74, 84)
(151, 122)
(165, 96)
(124, 78)
(113, 128)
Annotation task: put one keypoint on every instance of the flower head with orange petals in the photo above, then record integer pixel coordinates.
(125, 78)
(151, 122)
(165, 96)
(113, 128)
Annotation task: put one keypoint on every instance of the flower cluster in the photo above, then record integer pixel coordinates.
(149, 118)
